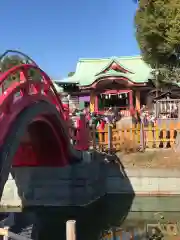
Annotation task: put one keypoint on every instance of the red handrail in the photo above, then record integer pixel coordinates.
(23, 86)
(48, 85)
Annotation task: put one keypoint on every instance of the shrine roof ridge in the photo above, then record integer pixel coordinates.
(110, 58)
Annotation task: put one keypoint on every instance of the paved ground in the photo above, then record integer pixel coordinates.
(151, 159)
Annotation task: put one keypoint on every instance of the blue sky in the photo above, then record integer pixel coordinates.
(57, 33)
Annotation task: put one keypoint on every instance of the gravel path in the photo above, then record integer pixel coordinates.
(151, 159)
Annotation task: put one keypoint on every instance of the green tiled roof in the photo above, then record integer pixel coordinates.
(87, 70)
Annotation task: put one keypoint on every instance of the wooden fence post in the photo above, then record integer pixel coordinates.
(110, 146)
(5, 237)
(178, 110)
(142, 137)
(71, 230)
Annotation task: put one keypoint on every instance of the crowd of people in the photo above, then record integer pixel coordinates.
(113, 115)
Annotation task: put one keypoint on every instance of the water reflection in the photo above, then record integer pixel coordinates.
(98, 221)
(92, 221)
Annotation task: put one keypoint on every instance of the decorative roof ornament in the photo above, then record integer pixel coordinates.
(115, 66)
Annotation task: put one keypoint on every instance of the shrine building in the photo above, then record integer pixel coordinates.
(101, 83)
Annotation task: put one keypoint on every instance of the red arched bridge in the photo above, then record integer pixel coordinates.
(33, 128)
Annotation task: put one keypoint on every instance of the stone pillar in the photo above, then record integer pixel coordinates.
(138, 103)
(92, 101)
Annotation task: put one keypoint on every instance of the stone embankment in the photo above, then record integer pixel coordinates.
(82, 183)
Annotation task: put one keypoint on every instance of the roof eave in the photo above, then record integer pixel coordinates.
(130, 83)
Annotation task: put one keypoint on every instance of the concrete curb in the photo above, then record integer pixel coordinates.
(160, 173)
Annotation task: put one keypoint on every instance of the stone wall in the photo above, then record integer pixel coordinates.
(155, 190)
(145, 182)
(75, 185)
(82, 183)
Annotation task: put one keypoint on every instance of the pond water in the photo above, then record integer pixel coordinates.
(108, 218)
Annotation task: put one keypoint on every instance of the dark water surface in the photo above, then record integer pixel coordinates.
(93, 222)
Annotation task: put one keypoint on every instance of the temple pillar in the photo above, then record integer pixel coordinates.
(138, 102)
(92, 101)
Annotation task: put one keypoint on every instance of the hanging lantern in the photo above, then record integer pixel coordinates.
(109, 96)
(106, 96)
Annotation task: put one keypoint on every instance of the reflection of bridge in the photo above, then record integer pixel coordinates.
(38, 165)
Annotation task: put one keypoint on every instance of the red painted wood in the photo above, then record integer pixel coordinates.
(82, 143)
(46, 85)
(116, 67)
(25, 154)
(96, 104)
(116, 91)
(131, 107)
(121, 80)
(66, 111)
(82, 134)
(11, 106)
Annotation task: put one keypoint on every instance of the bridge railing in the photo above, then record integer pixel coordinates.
(26, 86)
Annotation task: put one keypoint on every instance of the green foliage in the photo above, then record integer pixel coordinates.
(9, 62)
(70, 74)
(158, 34)
(12, 61)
